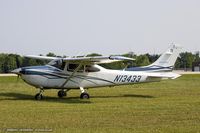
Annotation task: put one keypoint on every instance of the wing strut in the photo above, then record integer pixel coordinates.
(67, 80)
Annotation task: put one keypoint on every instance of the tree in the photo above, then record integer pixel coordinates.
(93, 54)
(10, 63)
(142, 60)
(178, 63)
(51, 54)
(197, 57)
(186, 59)
(152, 58)
(2, 62)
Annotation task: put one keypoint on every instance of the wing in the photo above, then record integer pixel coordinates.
(98, 59)
(41, 57)
(86, 60)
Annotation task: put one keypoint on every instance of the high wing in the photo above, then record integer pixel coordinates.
(41, 57)
(97, 59)
(86, 60)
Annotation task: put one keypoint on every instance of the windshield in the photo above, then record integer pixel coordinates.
(58, 63)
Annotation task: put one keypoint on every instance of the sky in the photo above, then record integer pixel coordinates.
(79, 27)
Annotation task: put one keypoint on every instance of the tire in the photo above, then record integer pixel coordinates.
(38, 96)
(84, 96)
(62, 94)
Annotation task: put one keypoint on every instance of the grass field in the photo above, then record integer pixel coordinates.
(167, 106)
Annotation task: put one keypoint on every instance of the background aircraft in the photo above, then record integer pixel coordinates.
(84, 72)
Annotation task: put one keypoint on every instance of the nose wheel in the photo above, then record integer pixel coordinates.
(39, 96)
(62, 93)
(84, 94)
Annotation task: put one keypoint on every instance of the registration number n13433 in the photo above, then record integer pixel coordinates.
(127, 78)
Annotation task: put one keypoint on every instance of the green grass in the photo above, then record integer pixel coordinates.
(167, 106)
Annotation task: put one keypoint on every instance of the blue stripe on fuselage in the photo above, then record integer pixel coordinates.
(42, 68)
(150, 68)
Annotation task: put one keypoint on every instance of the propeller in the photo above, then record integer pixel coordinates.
(18, 72)
(18, 76)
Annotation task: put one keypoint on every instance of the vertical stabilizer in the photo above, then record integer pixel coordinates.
(164, 63)
(168, 58)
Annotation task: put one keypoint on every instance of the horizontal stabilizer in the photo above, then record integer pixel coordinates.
(163, 75)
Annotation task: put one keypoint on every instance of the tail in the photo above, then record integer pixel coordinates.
(168, 59)
(164, 63)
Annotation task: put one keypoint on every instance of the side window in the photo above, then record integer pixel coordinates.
(72, 67)
(58, 64)
(63, 65)
(90, 68)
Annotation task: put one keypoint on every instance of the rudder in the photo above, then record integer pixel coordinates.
(168, 58)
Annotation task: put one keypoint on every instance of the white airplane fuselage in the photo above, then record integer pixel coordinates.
(41, 78)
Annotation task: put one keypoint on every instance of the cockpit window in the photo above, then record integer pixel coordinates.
(91, 68)
(57, 63)
(72, 67)
(84, 68)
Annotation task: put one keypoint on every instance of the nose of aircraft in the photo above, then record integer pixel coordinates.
(17, 71)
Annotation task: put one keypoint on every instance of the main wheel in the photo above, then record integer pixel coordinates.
(38, 96)
(84, 96)
(62, 94)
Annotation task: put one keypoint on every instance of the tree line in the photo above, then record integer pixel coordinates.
(9, 62)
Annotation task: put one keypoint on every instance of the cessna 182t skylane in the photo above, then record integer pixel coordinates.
(84, 72)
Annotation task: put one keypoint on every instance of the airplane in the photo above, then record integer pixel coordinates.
(82, 73)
